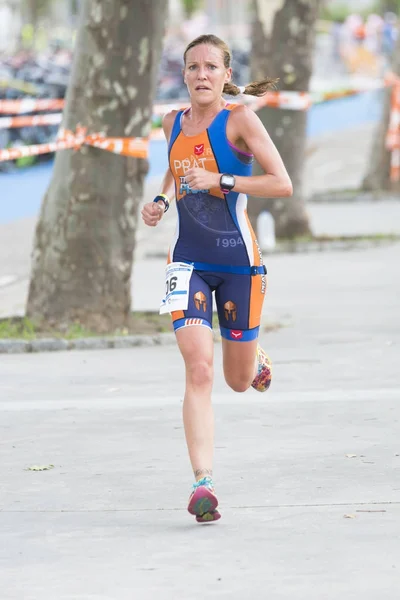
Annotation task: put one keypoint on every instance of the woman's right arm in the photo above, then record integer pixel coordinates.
(152, 212)
(168, 184)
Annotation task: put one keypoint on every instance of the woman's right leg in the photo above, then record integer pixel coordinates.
(197, 348)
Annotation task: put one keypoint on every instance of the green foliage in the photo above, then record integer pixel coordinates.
(190, 6)
(37, 8)
(381, 7)
(335, 12)
(24, 329)
(340, 10)
(388, 6)
(76, 330)
(17, 328)
(25, 161)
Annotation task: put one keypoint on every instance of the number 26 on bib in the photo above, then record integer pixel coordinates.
(177, 280)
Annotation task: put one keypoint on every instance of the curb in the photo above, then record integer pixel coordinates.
(17, 346)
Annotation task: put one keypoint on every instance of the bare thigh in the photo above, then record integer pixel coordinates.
(197, 348)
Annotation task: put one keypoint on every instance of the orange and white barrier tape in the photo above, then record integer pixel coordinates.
(288, 100)
(276, 99)
(18, 107)
(14, 153)
(30, 121)
(135, 147)
(285, 100)
(393, 132)
(138, 147)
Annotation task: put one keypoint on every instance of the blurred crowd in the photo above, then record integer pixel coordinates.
(365, 45)
(46, 73)
(357, 45)
(28, 74)
(352, 46)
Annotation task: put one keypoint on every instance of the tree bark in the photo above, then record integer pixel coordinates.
(378, 175)
(83, 249)
(283, 44)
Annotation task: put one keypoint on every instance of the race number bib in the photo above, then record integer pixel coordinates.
(177, 279)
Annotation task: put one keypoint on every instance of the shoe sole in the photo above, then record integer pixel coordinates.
(208, 517)
(203, 501)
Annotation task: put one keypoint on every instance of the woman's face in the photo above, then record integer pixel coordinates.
(205, 73)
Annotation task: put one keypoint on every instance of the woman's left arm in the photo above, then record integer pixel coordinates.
(243, 124)
(275, 183)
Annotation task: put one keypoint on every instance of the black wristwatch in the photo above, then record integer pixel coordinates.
(162, 198)
(227, 182)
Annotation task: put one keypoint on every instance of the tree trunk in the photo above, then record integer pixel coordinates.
(283, 44)
(84, 243)
(378, 175)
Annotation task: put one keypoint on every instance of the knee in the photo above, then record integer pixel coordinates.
(238, 383)
(200, 373)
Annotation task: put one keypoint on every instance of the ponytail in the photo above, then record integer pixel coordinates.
(256, 88)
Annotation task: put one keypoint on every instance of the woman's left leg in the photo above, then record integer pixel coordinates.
(240, 363)
(239, 301)
(246, 364)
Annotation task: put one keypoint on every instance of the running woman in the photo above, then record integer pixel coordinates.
(212, 145)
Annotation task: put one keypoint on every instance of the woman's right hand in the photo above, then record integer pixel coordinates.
(152, 213)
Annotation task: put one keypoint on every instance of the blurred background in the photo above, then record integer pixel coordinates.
(354, 46)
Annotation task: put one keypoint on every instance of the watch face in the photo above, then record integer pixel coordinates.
(227, 181)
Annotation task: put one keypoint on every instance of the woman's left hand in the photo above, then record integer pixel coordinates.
(201, 179)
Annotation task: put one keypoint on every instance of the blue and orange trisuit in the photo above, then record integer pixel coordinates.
(215, 235)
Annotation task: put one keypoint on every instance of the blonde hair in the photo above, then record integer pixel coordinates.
(256, 88)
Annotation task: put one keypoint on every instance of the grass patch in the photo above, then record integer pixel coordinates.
(140, 323)
(21, 328)
(26, 329)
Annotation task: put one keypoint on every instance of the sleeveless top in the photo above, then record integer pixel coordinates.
(212, 227)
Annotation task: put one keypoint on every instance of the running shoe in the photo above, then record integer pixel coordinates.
(262, 380)
(203, 501)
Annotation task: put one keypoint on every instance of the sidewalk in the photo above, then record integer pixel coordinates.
(307, 475)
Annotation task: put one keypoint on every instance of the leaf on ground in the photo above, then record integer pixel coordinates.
(40, 468)
(349, 516)
(351, 455)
